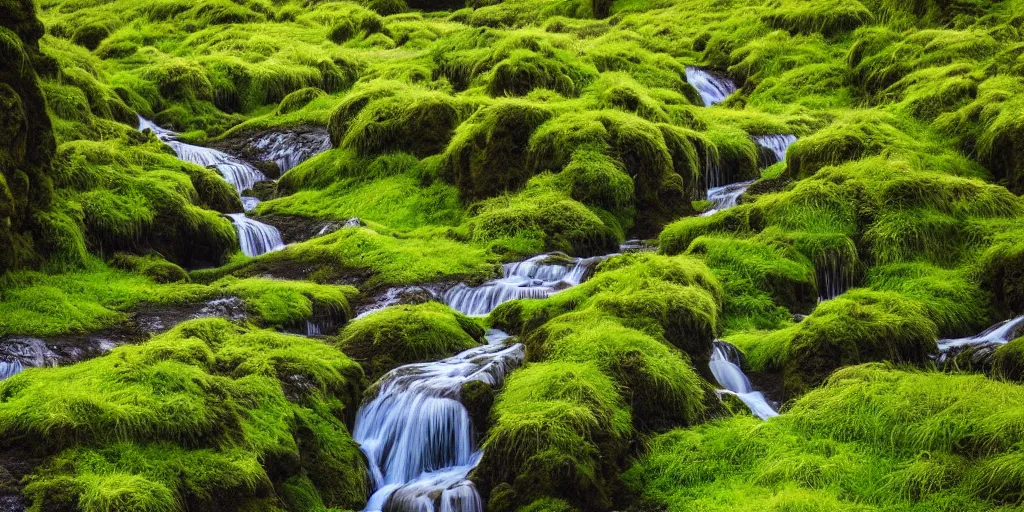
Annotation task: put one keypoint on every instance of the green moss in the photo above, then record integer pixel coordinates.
(1008, 361)
(115, 429)
(157, 269)
(858, 327)
(560, 429)
(827, 18)
(298, 99)
(406, 334)
(901, 442)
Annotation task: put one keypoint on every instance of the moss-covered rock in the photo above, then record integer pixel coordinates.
(407, 334)
(1008, 361)
(256, 408)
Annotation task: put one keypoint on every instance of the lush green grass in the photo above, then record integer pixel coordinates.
(208, 414)
(872, 438)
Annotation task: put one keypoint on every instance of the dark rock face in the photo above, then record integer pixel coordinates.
(296, 228)
(26, 137)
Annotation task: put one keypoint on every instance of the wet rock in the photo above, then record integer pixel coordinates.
(285, 148)
(153, 319)
(399, 295)
(295, 228)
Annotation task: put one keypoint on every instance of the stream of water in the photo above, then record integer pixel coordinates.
(417, 435)
(725, 366)
(254, 237)
(712, 88)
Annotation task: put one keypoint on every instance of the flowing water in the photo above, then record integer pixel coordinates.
(726, 197)
(998, 334)
(289, 149)
(777, 144)
(712, 88)
(831, 282)
(725, 366)
(10, 368)
(417, 436)
(254, 237)
(536, 278)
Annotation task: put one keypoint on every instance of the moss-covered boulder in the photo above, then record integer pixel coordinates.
(858, 327)
(209, 413)
(407, 334)
(1008, 361)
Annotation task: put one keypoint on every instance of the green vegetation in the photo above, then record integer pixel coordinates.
(208, 414)
(468, 134)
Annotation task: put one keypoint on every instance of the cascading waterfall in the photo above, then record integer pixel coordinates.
(713, 89)
(236, 172)
(726, 197)
(999, 334)
(725, 366)
(419, 438)
(254, 237)
(10, 368)
(777, 144)
(290, 149)
(534, 278)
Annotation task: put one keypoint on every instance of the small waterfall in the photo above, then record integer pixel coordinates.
(777, 144)
(726, 197)
(250, 203)
(236, 172)
(999, 334)
(534, 278)
(725, 366)
(10, 368)
(831, 282)
(255, 237)
(419, 438)
(713, 89)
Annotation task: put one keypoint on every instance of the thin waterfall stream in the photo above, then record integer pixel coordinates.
(990, 339)
(725, 366)
(254, 237)
(712, 88)
(417, 435)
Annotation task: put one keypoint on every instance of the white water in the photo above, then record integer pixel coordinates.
(10, 368)
(778, 144)
(289, 149)
(255, 237)
(726, 197)
(831, 282)
(998, 334)
(528, 279)
(418, 437)
(713, 89)
(725, 366)
(235, 171)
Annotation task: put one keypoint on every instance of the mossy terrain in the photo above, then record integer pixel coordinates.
(464, 135)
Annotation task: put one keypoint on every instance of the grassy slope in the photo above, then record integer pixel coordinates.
(464, 138)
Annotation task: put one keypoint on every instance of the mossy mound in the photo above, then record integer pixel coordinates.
(858, 327)
(209, 414)
(905, 436)
(1008, 361)
(559, 430)
(407, 334)
(158, 269)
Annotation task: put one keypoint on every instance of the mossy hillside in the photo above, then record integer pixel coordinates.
(207, 415)
(872, 437)
(401, 335)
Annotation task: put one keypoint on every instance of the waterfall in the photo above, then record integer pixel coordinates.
(726, 197)
(713, 89)
(831, 281)
(250, 203)
(998, 334)
(418, 437)
(236, 172)
(777, 144)
(725, 366)
(10, 368)
(535, 278)
(255, 237)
